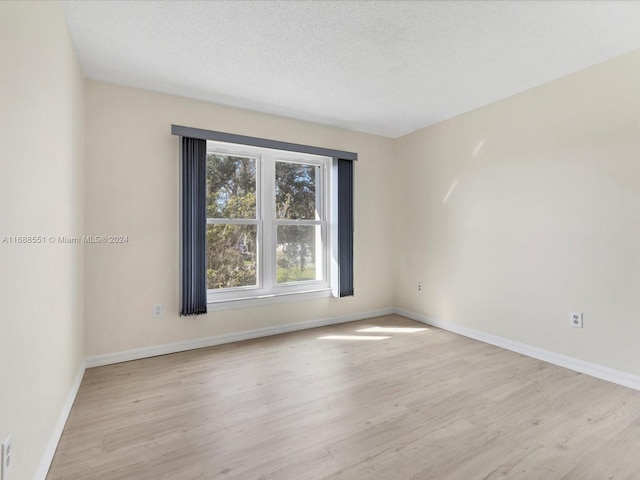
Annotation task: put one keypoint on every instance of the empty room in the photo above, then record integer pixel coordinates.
(304, 240)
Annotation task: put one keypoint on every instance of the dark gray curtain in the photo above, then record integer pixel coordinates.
(345, 226)
(193, 284)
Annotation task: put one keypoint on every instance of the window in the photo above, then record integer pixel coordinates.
(268, 222)
(262, 218)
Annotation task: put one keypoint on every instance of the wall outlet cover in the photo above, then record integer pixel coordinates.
(575, 319)
(6, 458)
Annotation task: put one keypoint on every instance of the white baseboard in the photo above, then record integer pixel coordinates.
(47, 457)
(145, 352)
(588, 368)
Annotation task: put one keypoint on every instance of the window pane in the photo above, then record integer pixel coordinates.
(296, 191)
(231, 256)
(299, 253)
(231, 186)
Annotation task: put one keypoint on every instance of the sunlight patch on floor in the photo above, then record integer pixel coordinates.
(353, 337)
(392, 330)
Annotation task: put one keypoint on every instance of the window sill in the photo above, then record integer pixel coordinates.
(217, 305)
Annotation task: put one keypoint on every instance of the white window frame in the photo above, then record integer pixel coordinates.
(267, 289)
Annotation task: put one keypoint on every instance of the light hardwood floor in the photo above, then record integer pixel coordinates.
(418, 405)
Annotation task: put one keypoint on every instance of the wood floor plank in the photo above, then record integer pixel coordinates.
(424, 404)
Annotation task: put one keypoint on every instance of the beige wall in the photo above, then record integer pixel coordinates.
(527, 209)
(132, 188)
(41, 151)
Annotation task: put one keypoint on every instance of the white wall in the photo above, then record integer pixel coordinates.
(41, 152)
(529, 208)
(132, 188)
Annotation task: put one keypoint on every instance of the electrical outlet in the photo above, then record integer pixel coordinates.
(420, 287)
(6, 458)
(575, 319)
(157, 310)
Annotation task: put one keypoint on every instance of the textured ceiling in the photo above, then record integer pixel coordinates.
(383, 67)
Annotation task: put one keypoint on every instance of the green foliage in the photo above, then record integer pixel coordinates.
(295, 199)
(296, 275)
(295, 191)
(231, 256)
(296, 248)
(231, 248)
(231, 187)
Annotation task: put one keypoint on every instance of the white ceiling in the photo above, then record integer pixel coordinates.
(383, 67)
